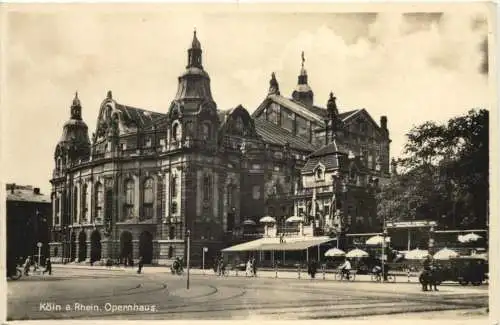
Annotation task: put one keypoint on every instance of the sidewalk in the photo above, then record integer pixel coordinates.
(209, 272)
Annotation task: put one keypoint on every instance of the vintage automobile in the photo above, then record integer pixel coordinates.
(464, 270)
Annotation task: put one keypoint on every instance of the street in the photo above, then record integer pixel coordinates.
(72, 293)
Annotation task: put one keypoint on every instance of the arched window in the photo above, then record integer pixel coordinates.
(205, 131)
(99, 202)
(85, 202)
(75, 204)
(175, 132)
(128, 210)
(58, 164)
(174, 207)
(148, 199)
(206, 188)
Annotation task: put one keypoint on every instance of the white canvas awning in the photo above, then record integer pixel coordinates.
(294, 246)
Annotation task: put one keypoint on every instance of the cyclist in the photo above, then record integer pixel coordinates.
(346, 268)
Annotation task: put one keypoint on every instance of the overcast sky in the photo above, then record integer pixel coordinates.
(412, 67)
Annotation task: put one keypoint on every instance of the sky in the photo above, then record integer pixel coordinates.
(412, 67)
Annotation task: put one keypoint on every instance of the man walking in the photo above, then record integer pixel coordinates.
(141, 264)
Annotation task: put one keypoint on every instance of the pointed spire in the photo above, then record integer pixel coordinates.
(274, 88)
(109, 95)
(196, 43)
(194, 53)
(303, 72)
(76, 100)
(76, 108)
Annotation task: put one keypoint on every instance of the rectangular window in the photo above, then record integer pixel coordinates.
(272, 113)
(148, 211)
(302, 127)
(287, 120)
(57, 211)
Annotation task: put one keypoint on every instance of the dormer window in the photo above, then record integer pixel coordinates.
(319, 173)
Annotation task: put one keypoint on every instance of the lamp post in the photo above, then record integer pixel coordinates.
(383, 257)
(188, 253)
(431, 241)
(205, 249)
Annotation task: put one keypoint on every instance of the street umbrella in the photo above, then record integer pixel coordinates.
(267, 219)
(377, 240)
(356, 253)
(249, 222)
(469, 238)
(445, 254)
(416, 254)
(334, 252)
(294, 219)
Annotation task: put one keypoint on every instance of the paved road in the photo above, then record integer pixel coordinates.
(105, 294)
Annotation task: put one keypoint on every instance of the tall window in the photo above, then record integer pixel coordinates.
(287, 119)
(85, 203)
(272, 113)
(175, 132)
(206, 188)
(205, 131)
(189, 128)
(99, 202)
(173, 186)
(148, 199)
(58, 211)
(302, 127)
(128, 210)
(75, 204)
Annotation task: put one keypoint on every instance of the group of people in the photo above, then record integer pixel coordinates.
(30, 262)
(251, 267)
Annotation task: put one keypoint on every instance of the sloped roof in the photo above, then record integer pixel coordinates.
(27, 196)
(330, 148)
(271, 133)
(296, 107)
(140, 117)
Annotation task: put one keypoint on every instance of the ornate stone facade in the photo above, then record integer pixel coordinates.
(147, 177)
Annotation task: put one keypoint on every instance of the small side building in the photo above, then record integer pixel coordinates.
(29, 214)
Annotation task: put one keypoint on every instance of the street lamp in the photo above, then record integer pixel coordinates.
(431, 241)
(205, 249)
(188, 242)
(384, 257)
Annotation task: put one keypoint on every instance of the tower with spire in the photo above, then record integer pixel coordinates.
(194, 84)
(303, 92)
(74, 143)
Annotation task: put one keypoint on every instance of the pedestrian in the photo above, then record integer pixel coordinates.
(48, 266)
(248, 270)
(254, 267)
(27, 265)
(141, 264)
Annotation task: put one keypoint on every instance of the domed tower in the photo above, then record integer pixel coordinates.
(74, 143)
(303, 92)
(193, 112)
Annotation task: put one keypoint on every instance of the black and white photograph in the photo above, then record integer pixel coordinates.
(248, 161)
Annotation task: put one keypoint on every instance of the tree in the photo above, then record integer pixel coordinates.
(444, 174)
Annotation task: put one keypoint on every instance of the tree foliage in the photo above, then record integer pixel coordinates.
(444, 175)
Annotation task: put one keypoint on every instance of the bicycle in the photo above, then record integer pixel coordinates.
(339, 275)
(377, 277)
